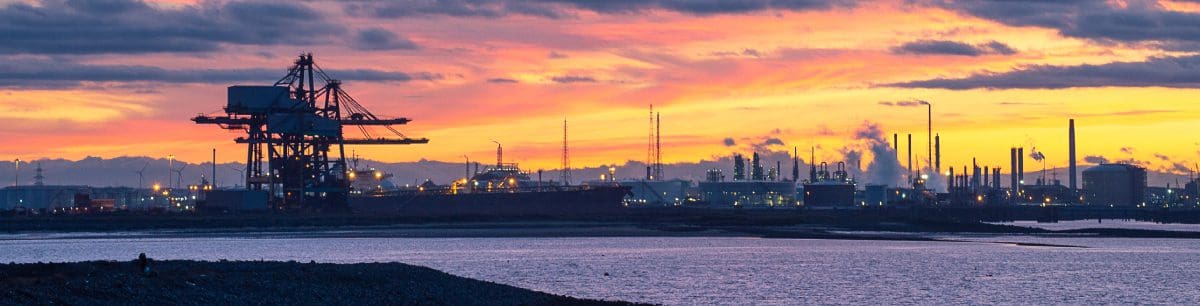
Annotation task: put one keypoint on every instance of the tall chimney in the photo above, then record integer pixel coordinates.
(896, 145)
(1072, 153)
(214, 169)
(937, 154)
(910, 168)
(1020, 164)
(1012, 168)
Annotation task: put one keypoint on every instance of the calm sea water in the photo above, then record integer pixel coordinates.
(729, 271)
(1123, 224)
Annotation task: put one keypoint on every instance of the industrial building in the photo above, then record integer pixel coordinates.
(1114, 185)
(649, 193)
(40, 197)
(756, 192)
(829, 189)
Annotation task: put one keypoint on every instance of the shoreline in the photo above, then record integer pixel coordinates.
(794, 224)
(896, 231)
(257, 282)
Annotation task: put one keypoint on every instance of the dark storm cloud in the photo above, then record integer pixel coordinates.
(58, 74)
(1130, 21)
(1175, 72)
(131, 26)
(567, 79)
(946, 47)
(381, 39)
(563, 8)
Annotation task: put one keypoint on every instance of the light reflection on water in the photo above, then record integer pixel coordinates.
(698, 270)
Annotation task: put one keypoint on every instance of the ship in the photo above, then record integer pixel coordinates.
(499, 190)
(367, 180)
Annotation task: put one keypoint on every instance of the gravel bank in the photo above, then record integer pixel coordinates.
(259, 283)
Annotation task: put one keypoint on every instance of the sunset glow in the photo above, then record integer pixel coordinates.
(512, 71)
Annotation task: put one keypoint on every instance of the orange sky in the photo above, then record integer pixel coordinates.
(806, 77)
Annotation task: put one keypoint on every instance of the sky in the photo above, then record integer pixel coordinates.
(122, 78)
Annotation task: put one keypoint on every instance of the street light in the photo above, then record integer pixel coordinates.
(17, 172)
(170, 167)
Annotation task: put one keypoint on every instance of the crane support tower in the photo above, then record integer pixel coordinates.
(295, 149)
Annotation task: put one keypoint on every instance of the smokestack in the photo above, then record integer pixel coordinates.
(910, 168)
(895, 145)
(1020, 164)
(1012, 168)
(937, 155)
(1071, 138)
(214, 169)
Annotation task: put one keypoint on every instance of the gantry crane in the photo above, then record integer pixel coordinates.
(292, 127)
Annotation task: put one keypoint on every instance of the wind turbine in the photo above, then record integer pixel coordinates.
(240, 170)
(179, 175)
(141, 176)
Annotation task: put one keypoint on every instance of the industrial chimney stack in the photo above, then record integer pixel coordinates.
(1020, 165)
(895, 146)
(910, 167)
(937, 154)
(1012, 168)
(1072, 153)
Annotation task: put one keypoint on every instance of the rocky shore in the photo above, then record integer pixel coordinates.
(257, 283)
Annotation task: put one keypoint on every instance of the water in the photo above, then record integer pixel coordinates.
(1121, 224)
(729, 270)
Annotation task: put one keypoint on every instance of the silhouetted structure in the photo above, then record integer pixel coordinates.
(295, 148)
(1114, 185)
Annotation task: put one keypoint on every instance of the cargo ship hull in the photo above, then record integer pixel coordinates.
(572, 202)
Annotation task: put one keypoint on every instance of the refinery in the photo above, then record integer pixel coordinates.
(296, 161)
